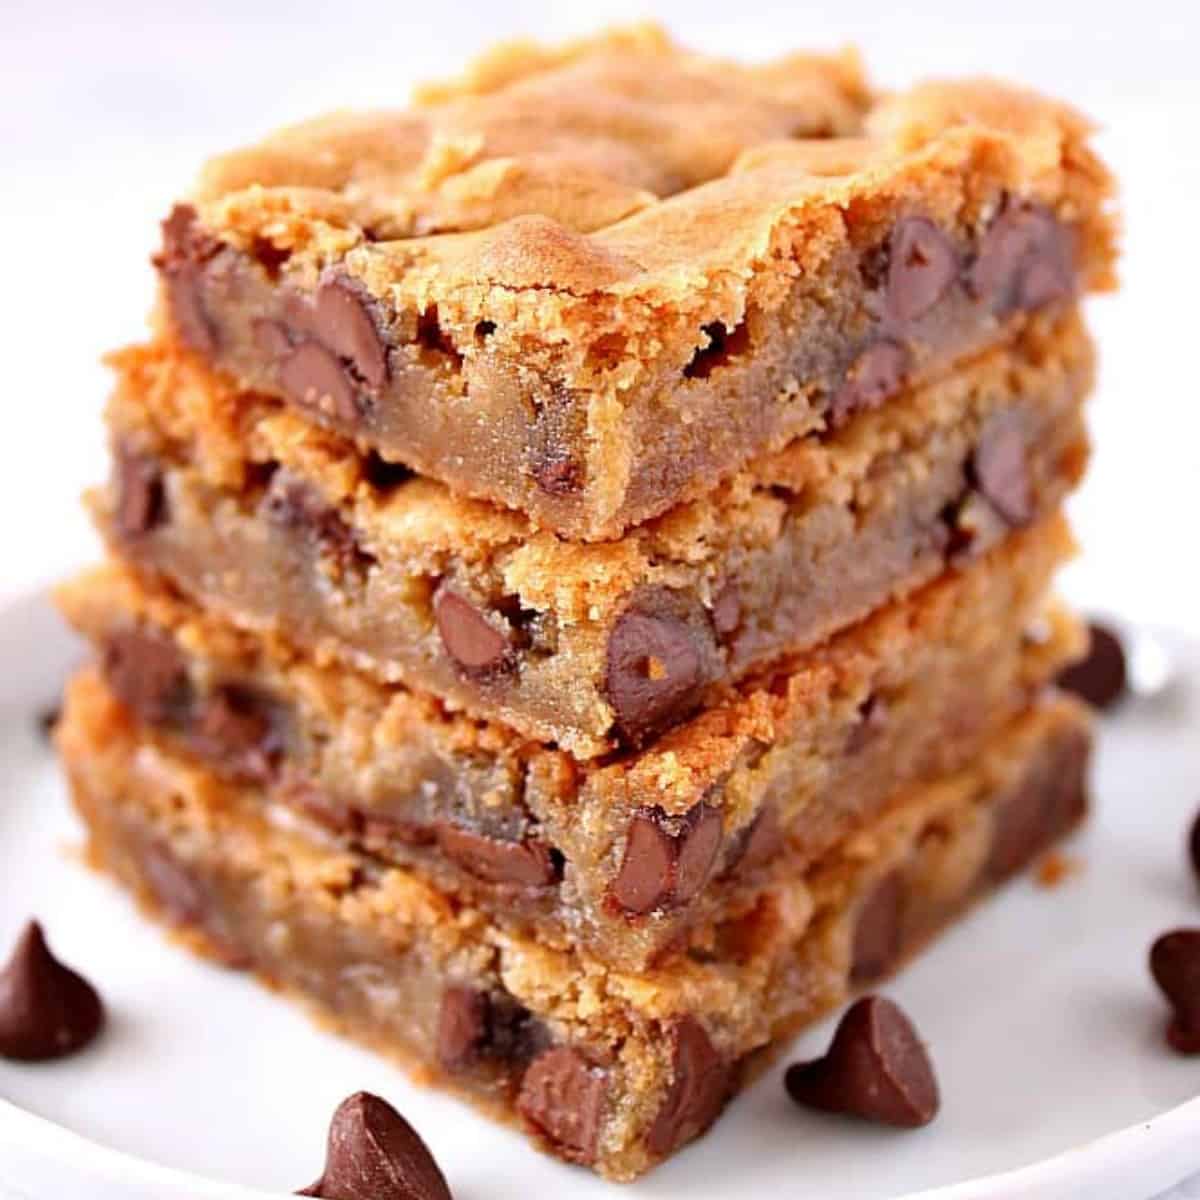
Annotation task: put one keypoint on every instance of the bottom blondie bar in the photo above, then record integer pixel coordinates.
(610, 1069)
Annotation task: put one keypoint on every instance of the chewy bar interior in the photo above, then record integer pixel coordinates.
(277, 524)
(610, 1070)
(634, 856)
(590, 283)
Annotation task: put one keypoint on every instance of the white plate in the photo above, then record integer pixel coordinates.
(1044, 1026)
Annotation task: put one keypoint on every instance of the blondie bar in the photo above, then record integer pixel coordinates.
(590, 283)
(607, 1069)
(630, 856)
(277, 524)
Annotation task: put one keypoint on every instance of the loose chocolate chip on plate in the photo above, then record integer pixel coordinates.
(1102, 676)
(657, 663)
(1000, 468)
(141, 498)
(1194, 846)
(878, 930)
(922, 264)
(373, 1153)
(876, 1068)
(700, 1083)
(148, 674)
(476, 643)
(528, 863)
(873, 376)
(563, 1095)
(667, 859)
(46, 1009)
(1175, 965)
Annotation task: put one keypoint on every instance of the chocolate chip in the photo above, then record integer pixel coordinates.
(700, 1084)
(373, 1153)
(1025, 260)
(141, 498)
(1194, 846)
(186, 251)
(236, 727)
(667, 859)
(873, 376)
(475, 1025)
(697, 844)
(345, 322)
(1101, 678)
(878, 930)
(315, 379)
(296, 505)
(658, 661)
(46, 1009)
(922, 264)
(1175, 965)
(185, 901)
(514, 1035)
(876, 1068)
(462, 1027)
(476, 642)
(529, 863)
(1040, 807)
(1000, 470)
(562, 1095)
(148, 674)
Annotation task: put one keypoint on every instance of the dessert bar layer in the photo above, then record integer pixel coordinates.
(611, 1070)
(633, 856)
(591, 283)
(277, 524)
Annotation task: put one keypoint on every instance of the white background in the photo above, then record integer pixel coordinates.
(106, 108)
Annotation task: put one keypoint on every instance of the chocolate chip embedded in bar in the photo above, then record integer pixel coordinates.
(596, 648)
(602, 1069)
(630, 856)
(578, 320)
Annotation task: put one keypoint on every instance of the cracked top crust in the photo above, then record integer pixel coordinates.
(608, 198)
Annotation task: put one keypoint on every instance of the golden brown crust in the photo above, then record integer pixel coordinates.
(375, 949)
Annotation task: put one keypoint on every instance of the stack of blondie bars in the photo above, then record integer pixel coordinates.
(580, 550)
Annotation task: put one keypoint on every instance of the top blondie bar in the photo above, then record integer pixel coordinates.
(590, 282)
